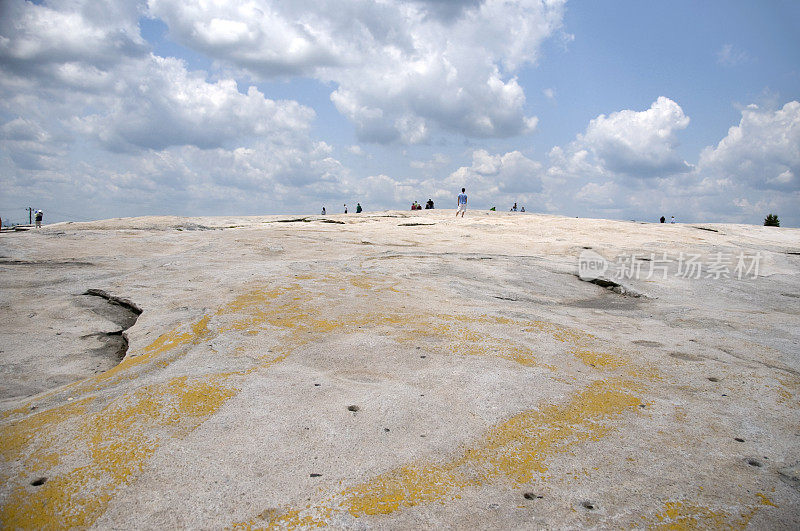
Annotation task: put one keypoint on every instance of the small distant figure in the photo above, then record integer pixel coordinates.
(429, 205)
(345, 208)
(38, 219)
(514, 208)
(493, 209)
(672, 220)
(462, 202)
(663, 219)
(323, 210)
(522, 209)
(358, 208)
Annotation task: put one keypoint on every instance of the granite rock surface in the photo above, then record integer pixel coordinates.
(399, 370)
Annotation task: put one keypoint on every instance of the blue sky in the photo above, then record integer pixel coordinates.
(622, 109)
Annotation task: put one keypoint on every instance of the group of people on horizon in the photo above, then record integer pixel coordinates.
(461, 206)
(428, 205)
(358, 209)
(38, 215)
(664, 220)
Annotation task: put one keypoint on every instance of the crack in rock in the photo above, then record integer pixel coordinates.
(115, 343)
(125, 303)
(616, 287)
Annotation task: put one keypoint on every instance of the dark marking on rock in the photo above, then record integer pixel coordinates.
(713, 379)
(314, 475)
(791, 475)
(611, 285)
(684, 356)
(38, 481)
(125, 303)
(353, 408)
(645, 343)
(290, 220)
(738, 439)
(415, 224)
(706, 228)
(46, 263)
(532, 496)
(754, 462)
(590, 506)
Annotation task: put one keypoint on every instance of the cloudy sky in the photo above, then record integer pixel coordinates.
(614, 109)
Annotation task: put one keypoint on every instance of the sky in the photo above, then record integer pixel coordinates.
(615, 109)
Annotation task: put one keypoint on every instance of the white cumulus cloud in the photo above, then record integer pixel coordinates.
(638, 143)
(762, 151)
(403, 70)
(499, 177)
(89, 112)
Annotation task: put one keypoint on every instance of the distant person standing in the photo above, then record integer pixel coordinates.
(522, 209)
(429, 204)
(462, 202)
(672, 220)
(663, 219)
(323, 210)
(514, 208)
(345, 208)
(38, 219)
(358, 208)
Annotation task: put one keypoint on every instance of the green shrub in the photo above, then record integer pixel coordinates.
(772, 221)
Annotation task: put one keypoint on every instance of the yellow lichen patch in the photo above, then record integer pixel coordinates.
(17, 411)
(517, 450)
(17, 436)
(764, 500)
(287, 519)
(600, 360)
(680, 516)
(113, 445)
(164, 343)
(464, 335)
(199, 398)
